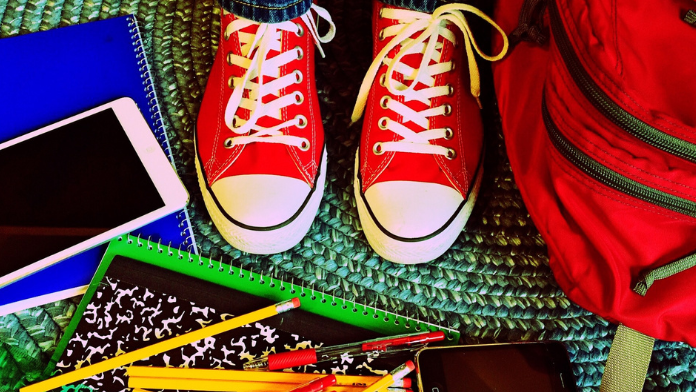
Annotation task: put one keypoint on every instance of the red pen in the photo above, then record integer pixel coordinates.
(371, 348)
(317, 384)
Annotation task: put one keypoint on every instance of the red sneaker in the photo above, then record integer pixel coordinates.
(419, 165)
(260, 154)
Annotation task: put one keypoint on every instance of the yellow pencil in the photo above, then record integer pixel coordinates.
(242, 375)
(226, 385)
(161, 347)
(389, 379)
(211, 385)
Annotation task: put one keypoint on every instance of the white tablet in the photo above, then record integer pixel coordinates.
(78, 183)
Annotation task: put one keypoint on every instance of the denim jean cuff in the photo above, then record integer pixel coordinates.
(274, 11)
(416, 5)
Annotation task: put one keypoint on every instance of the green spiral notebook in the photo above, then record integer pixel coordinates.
(275, 290)
(228, 288)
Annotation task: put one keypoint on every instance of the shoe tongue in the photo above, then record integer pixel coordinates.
(414, 60)
(244, 113)
(251, 32)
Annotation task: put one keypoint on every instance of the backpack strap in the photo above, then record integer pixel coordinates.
(628, 361)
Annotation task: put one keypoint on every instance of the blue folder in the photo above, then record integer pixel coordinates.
(51, 75)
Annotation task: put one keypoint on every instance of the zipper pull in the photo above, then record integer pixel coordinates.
(667, 270)
(690, 17)
(530, 26)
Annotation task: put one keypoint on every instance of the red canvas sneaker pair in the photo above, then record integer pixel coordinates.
(261, 160)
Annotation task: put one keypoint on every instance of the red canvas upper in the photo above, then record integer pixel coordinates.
(465, 120)
(631, 48)
(260, 158)
(601, 240)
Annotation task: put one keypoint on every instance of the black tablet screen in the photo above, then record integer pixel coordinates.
(68, 185)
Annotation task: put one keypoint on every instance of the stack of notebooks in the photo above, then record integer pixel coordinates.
(144, 293)
(53, 75)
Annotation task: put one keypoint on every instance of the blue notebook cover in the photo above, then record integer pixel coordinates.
(58, 73)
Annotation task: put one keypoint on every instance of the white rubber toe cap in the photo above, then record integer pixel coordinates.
(261, 200)
(411, 209)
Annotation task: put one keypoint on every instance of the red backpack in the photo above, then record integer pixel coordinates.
(599, 119)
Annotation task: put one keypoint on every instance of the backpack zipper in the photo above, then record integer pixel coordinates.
(621, 183)
(610, 109)
(611, 178)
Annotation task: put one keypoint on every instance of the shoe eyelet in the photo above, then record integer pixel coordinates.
(449, 133)
(377, 149)
(451, 90)
(382, 123)
(229, 58)
(298, 76)
(448, 109)
(383, 80)
(299, 98)
(229, 143)
(300, 30)
(381, 35)
(226, 35)
(453, 66)
(301, 121)
(381, 12)
(384, 102)
(451, 154)
(235, 122)
(230, 82)
(300, 53)
(304, 146)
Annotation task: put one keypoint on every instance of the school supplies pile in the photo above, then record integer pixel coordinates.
(144, 294)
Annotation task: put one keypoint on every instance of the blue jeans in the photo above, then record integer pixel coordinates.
(273, 11)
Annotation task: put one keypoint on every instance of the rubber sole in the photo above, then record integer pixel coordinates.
(412, 252)
(263, 241)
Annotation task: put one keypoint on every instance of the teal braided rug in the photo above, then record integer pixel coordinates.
(494, 284)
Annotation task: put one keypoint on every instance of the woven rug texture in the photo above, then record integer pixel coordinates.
(494, 284)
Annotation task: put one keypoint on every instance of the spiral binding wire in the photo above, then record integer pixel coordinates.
(157, 122)
(304, 292)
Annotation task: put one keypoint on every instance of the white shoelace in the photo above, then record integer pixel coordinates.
(431, 28)
(255, 49)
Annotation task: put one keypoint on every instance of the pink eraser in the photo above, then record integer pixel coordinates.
(402, 370)
(296, 302)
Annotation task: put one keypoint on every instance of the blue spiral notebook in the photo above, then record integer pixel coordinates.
(51, 75)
